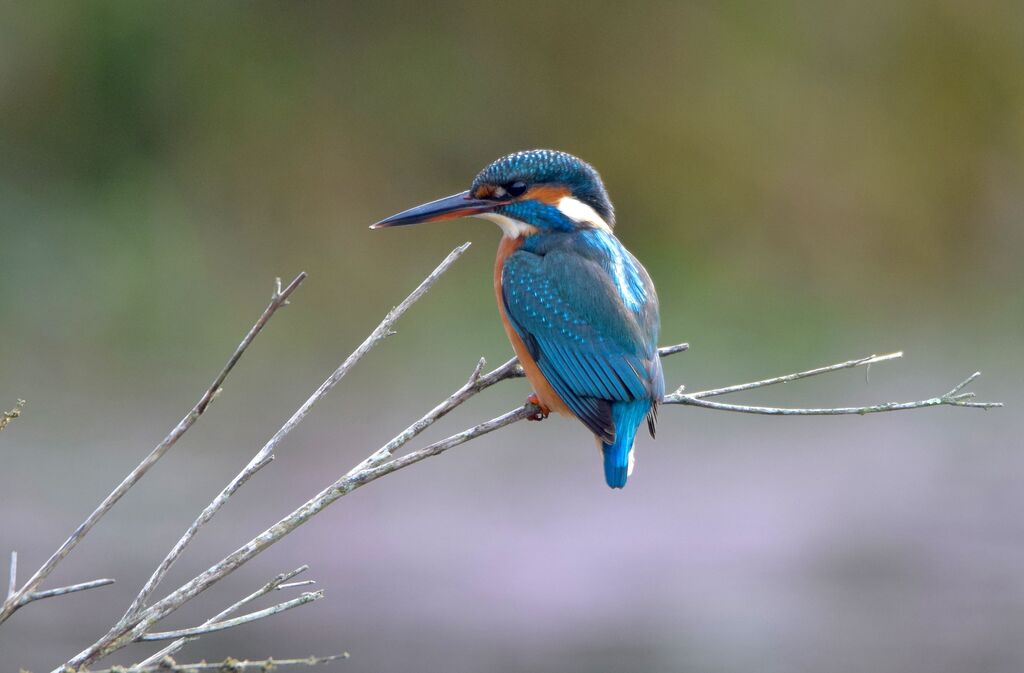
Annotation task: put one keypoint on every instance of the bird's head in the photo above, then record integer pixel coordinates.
(525, 193)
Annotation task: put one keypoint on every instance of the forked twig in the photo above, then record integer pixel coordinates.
(307, 597)
(138, 620)
(62, 591)
(953, 398)
(266, 454)
(15, 600)
(273, 585)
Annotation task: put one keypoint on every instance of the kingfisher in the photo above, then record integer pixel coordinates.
(580, 310)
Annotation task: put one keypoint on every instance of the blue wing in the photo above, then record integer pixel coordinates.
(592, 348)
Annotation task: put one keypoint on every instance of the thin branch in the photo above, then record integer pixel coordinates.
(61, 591)
(364, 477)
(307, 597)
(272, 585)
(666, 351)
(279, 299)
(860, 362)
(266, 454)
(346, 484)
(293, 585)
(8, 416)
(12, 578)
(474, 385)
(953, 398)
(139, 619)
(168, 665)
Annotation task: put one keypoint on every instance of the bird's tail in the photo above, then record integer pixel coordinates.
(618, 456)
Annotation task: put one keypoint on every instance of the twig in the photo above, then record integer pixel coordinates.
(860, 362)
(266, 454)
(8, 416)
(138, 619)
(307, 597)
(12, 578)
(346, 484)
(61, 591)
(229, 665)
(272, 585)
(292, 585)
(953, 398)
(474, 385)
(14, 601)
(666, 351)
(508, 418)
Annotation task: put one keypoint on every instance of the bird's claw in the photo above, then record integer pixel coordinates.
(542, 411)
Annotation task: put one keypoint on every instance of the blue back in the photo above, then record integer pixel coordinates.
(588, 313)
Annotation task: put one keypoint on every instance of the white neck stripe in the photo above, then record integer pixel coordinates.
(581, 213)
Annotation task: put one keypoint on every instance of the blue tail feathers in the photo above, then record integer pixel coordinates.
(627, 417)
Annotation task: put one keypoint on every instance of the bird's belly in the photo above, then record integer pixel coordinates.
(545, 393)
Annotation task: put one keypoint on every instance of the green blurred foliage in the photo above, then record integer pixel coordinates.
(806, 170)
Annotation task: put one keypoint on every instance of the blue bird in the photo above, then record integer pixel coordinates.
(580, 310)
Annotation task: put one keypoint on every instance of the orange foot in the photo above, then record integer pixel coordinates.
(540, 415)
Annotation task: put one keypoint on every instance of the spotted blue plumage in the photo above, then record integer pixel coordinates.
(575, 301)
(597, 349)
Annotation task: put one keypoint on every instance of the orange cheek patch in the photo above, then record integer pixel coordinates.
(549, 194)
(483, 192)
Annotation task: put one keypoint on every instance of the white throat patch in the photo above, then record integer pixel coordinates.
(511, 227)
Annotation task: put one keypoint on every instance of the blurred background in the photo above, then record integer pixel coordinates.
(806, 182)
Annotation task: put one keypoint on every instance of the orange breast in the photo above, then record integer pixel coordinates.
(545, 393)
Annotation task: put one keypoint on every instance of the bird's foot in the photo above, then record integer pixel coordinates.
(543, 411)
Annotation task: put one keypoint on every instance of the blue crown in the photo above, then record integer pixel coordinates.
(550, 167)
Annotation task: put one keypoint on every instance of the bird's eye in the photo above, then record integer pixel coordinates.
(517, 188)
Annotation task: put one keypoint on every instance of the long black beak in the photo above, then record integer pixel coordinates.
(448, 208)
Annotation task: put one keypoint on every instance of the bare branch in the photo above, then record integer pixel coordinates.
(266, 454)
(8, 416)
(168, 665)
(307, 597)
(12, 586)
(363, 477)
(14, 601)
(61, 591)
(860, 362)
(831, 411)
(272, 585)
(12, 579)
(474, 385)
(953, 398)
(666, 351)
(292, 585)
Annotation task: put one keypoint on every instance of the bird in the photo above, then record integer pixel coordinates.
(579, 309)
